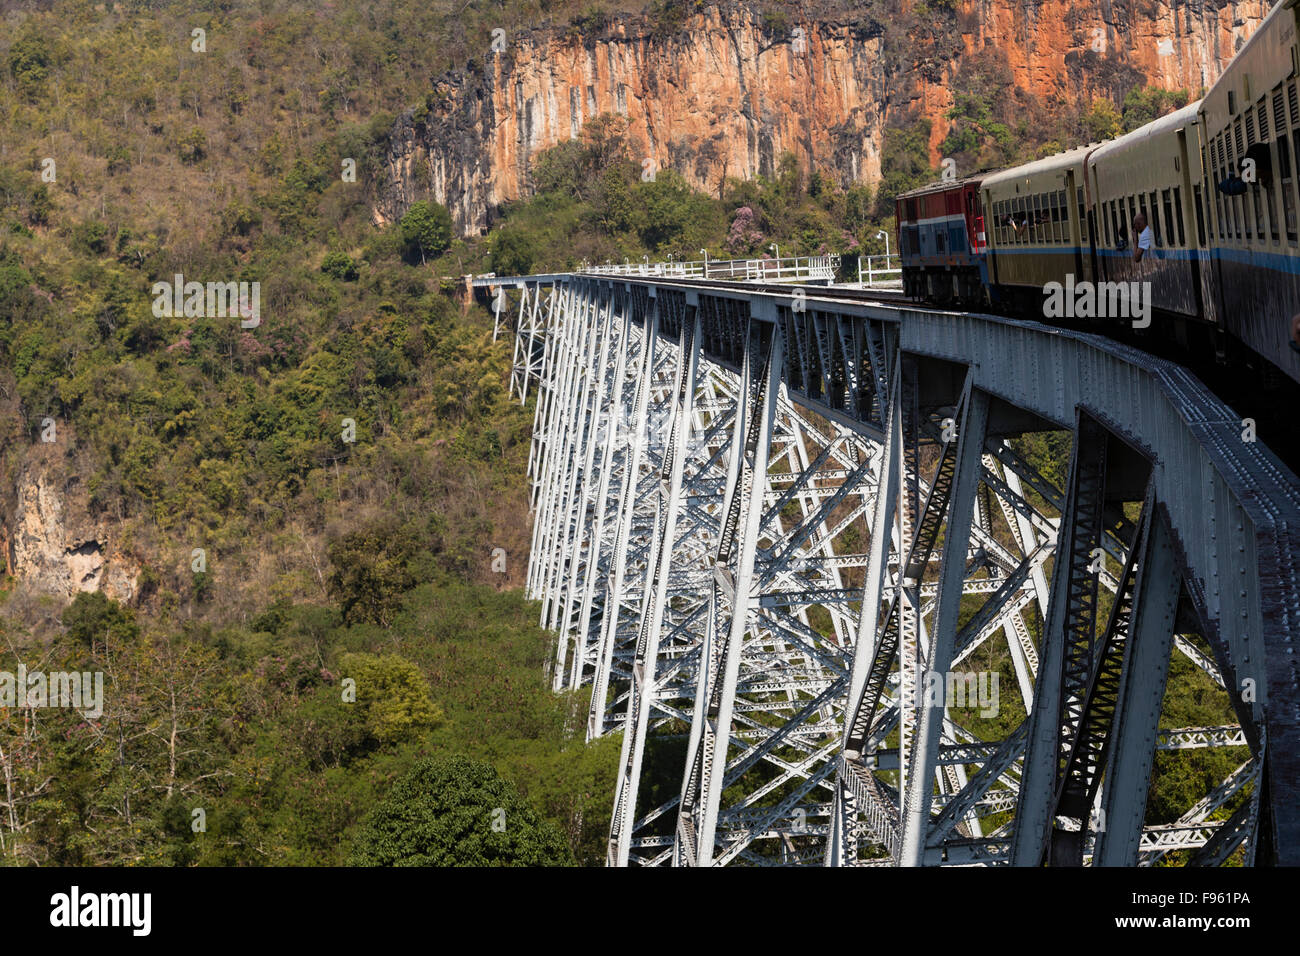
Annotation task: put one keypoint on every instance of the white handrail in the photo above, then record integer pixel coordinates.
(879, 273)
(785, 269)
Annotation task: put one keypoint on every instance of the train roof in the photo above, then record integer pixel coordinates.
(1157, 127)
(940, 187)
(1044, 165)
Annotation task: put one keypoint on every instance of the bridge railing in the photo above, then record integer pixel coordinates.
(784, 269)
(880, 270)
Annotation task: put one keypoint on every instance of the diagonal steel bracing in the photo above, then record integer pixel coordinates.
(789, 542)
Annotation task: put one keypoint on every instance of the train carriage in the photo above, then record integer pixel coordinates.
(1250, 125)
(1155, 171)
(1218, 182)
(1039, 230)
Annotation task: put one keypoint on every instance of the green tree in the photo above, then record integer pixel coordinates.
(30, 60)
(427, 227)
(1143, 105)
(392, 694)
(373, 568)
(513, 252)
(457, 812)
(341, 266)
(92, 618)
(1102, 121)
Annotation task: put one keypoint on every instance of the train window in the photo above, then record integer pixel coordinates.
(1178, 215)
(1200, 218)
(1213, 195)
(1059, 213)
(1227, 221)
(1288, 190)
(1155, 218)
(1286, 156)
(1083, 219)
(1232, 102)
(1293, 104)
(1270, 204)
(1167, 211)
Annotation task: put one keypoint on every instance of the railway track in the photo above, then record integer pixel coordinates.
(1243, 385)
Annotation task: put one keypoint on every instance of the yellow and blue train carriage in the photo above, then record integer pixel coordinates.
(1153, 171)
(1039, 230)
(1249, 125)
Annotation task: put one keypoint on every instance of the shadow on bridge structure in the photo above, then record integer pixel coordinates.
(867, 584)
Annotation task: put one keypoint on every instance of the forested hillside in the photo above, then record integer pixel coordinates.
(324, 555)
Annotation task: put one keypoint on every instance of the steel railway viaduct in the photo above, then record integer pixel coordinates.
(808, 556)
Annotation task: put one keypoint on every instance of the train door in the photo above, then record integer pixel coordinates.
(1195, 252)
(1076, 224)
(991, 248)
(1209, 277)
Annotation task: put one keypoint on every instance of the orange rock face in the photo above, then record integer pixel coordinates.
(728, 94)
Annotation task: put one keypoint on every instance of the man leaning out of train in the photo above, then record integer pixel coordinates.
(1144, 237)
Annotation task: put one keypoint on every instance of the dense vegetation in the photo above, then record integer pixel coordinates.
(347, 467)
(333, 551)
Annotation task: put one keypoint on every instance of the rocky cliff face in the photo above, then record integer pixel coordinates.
(50, 540)
(727, 91)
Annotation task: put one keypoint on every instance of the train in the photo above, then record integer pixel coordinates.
(1217, 262)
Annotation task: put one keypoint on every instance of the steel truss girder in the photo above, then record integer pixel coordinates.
(748, 615)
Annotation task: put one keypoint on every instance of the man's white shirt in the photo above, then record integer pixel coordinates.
(1144, 239)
